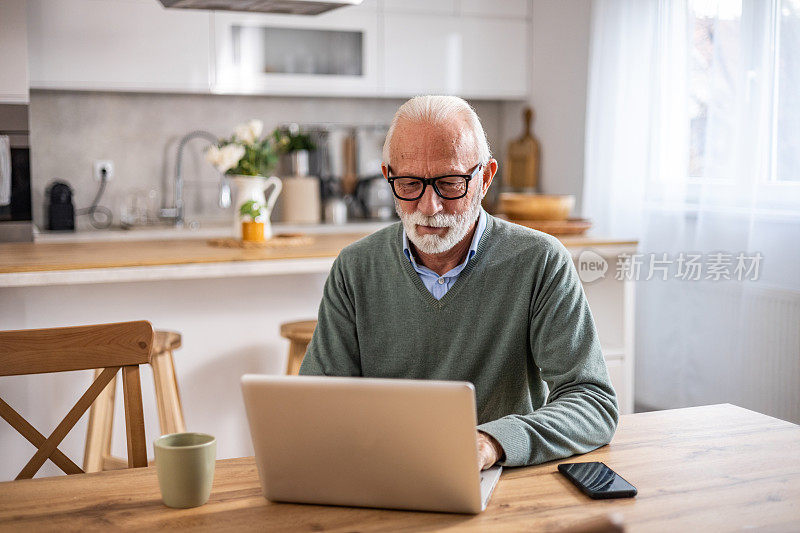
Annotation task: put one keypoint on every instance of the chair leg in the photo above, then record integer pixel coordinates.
(97, 454)
(297, 350)
(134, 417)
(99, 429)
(170, 413)
(177, 389)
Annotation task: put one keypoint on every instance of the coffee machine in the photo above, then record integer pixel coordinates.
(16, 222)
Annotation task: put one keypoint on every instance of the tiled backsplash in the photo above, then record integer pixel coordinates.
(139, 132)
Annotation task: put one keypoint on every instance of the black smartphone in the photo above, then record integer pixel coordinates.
(597, 481)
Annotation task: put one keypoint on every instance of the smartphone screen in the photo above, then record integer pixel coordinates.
(597, 480)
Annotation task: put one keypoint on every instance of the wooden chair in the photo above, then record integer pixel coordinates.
(112, 347)
(299, 335)
(97, 454)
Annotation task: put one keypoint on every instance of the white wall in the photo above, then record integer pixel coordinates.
(560, 62)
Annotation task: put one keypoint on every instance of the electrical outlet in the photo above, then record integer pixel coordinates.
(103, 167)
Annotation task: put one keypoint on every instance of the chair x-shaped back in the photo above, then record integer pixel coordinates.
(124, 345)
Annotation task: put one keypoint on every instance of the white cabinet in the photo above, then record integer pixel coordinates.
(611, 301)
(616, 371)
(13, 53)
(495, 8)
(445, 7)
(330, 54)
(422, 54)
(482, 8)
(471, 56)
(495, 57)
(394, 48)
(132, 45)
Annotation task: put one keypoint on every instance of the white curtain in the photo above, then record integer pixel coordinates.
(693, 147)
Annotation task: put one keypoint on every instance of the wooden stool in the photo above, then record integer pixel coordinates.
(97, 455)
(299, 335)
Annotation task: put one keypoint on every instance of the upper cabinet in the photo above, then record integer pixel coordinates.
(441, 7)
(329, 54)
(422, 54)
(466, 55)
(129, 45)
(495, 65)
(13, 53)
(394, 48)
(495, 8)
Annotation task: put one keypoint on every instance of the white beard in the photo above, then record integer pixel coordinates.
(459, 225)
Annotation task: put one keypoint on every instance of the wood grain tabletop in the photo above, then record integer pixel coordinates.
(61, 256)
(43, 257)
(711, 468)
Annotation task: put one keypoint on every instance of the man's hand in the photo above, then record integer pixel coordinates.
(489, 450)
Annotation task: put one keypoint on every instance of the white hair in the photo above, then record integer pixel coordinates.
(439, 110)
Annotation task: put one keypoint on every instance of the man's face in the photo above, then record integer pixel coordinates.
(432, 223)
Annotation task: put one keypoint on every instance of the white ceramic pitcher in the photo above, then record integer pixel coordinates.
(255, 188)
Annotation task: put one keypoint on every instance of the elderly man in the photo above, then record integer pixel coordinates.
(454, 293)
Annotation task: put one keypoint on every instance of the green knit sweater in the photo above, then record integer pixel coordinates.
(515, 320)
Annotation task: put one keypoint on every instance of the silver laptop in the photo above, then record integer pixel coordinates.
(391, 443)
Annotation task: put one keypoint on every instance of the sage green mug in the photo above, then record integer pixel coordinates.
(185, 465)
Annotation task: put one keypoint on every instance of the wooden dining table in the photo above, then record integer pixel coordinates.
(709, 468)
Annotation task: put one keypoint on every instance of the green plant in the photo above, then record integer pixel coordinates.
(244, 153)
(287, 142)
(252, 209)
(258, 160)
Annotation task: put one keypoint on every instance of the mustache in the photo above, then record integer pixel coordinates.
(439, 220)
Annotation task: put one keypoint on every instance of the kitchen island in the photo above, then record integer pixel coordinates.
(227, 303)
(56, 263)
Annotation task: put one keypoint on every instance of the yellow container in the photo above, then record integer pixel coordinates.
(252, 231)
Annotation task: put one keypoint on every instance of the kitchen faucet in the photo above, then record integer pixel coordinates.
(175, 213)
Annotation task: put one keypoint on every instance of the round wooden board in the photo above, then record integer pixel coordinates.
(280, 240)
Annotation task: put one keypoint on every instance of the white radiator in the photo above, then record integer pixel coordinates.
(770, 335)
(703, 343)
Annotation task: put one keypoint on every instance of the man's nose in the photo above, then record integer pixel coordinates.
(430, 203)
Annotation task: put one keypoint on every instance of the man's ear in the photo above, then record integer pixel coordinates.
(488, 174)
(385, 171)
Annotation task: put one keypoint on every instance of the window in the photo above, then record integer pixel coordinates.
(787, 113)
(744, 90)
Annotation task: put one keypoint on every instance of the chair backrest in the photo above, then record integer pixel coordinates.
(124, 345)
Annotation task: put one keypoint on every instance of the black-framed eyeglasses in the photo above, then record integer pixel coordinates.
(449, 187)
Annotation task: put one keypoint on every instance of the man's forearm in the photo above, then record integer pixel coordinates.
(576, 422)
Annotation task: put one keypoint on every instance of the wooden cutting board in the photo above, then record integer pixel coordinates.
(524, 157)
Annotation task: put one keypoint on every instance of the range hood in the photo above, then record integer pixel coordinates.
(283, 7)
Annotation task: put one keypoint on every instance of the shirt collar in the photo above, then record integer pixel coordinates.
(473, 247)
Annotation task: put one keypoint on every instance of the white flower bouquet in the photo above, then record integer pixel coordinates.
(245, 153)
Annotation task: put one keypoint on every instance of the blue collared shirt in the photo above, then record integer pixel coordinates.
(439, 285)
